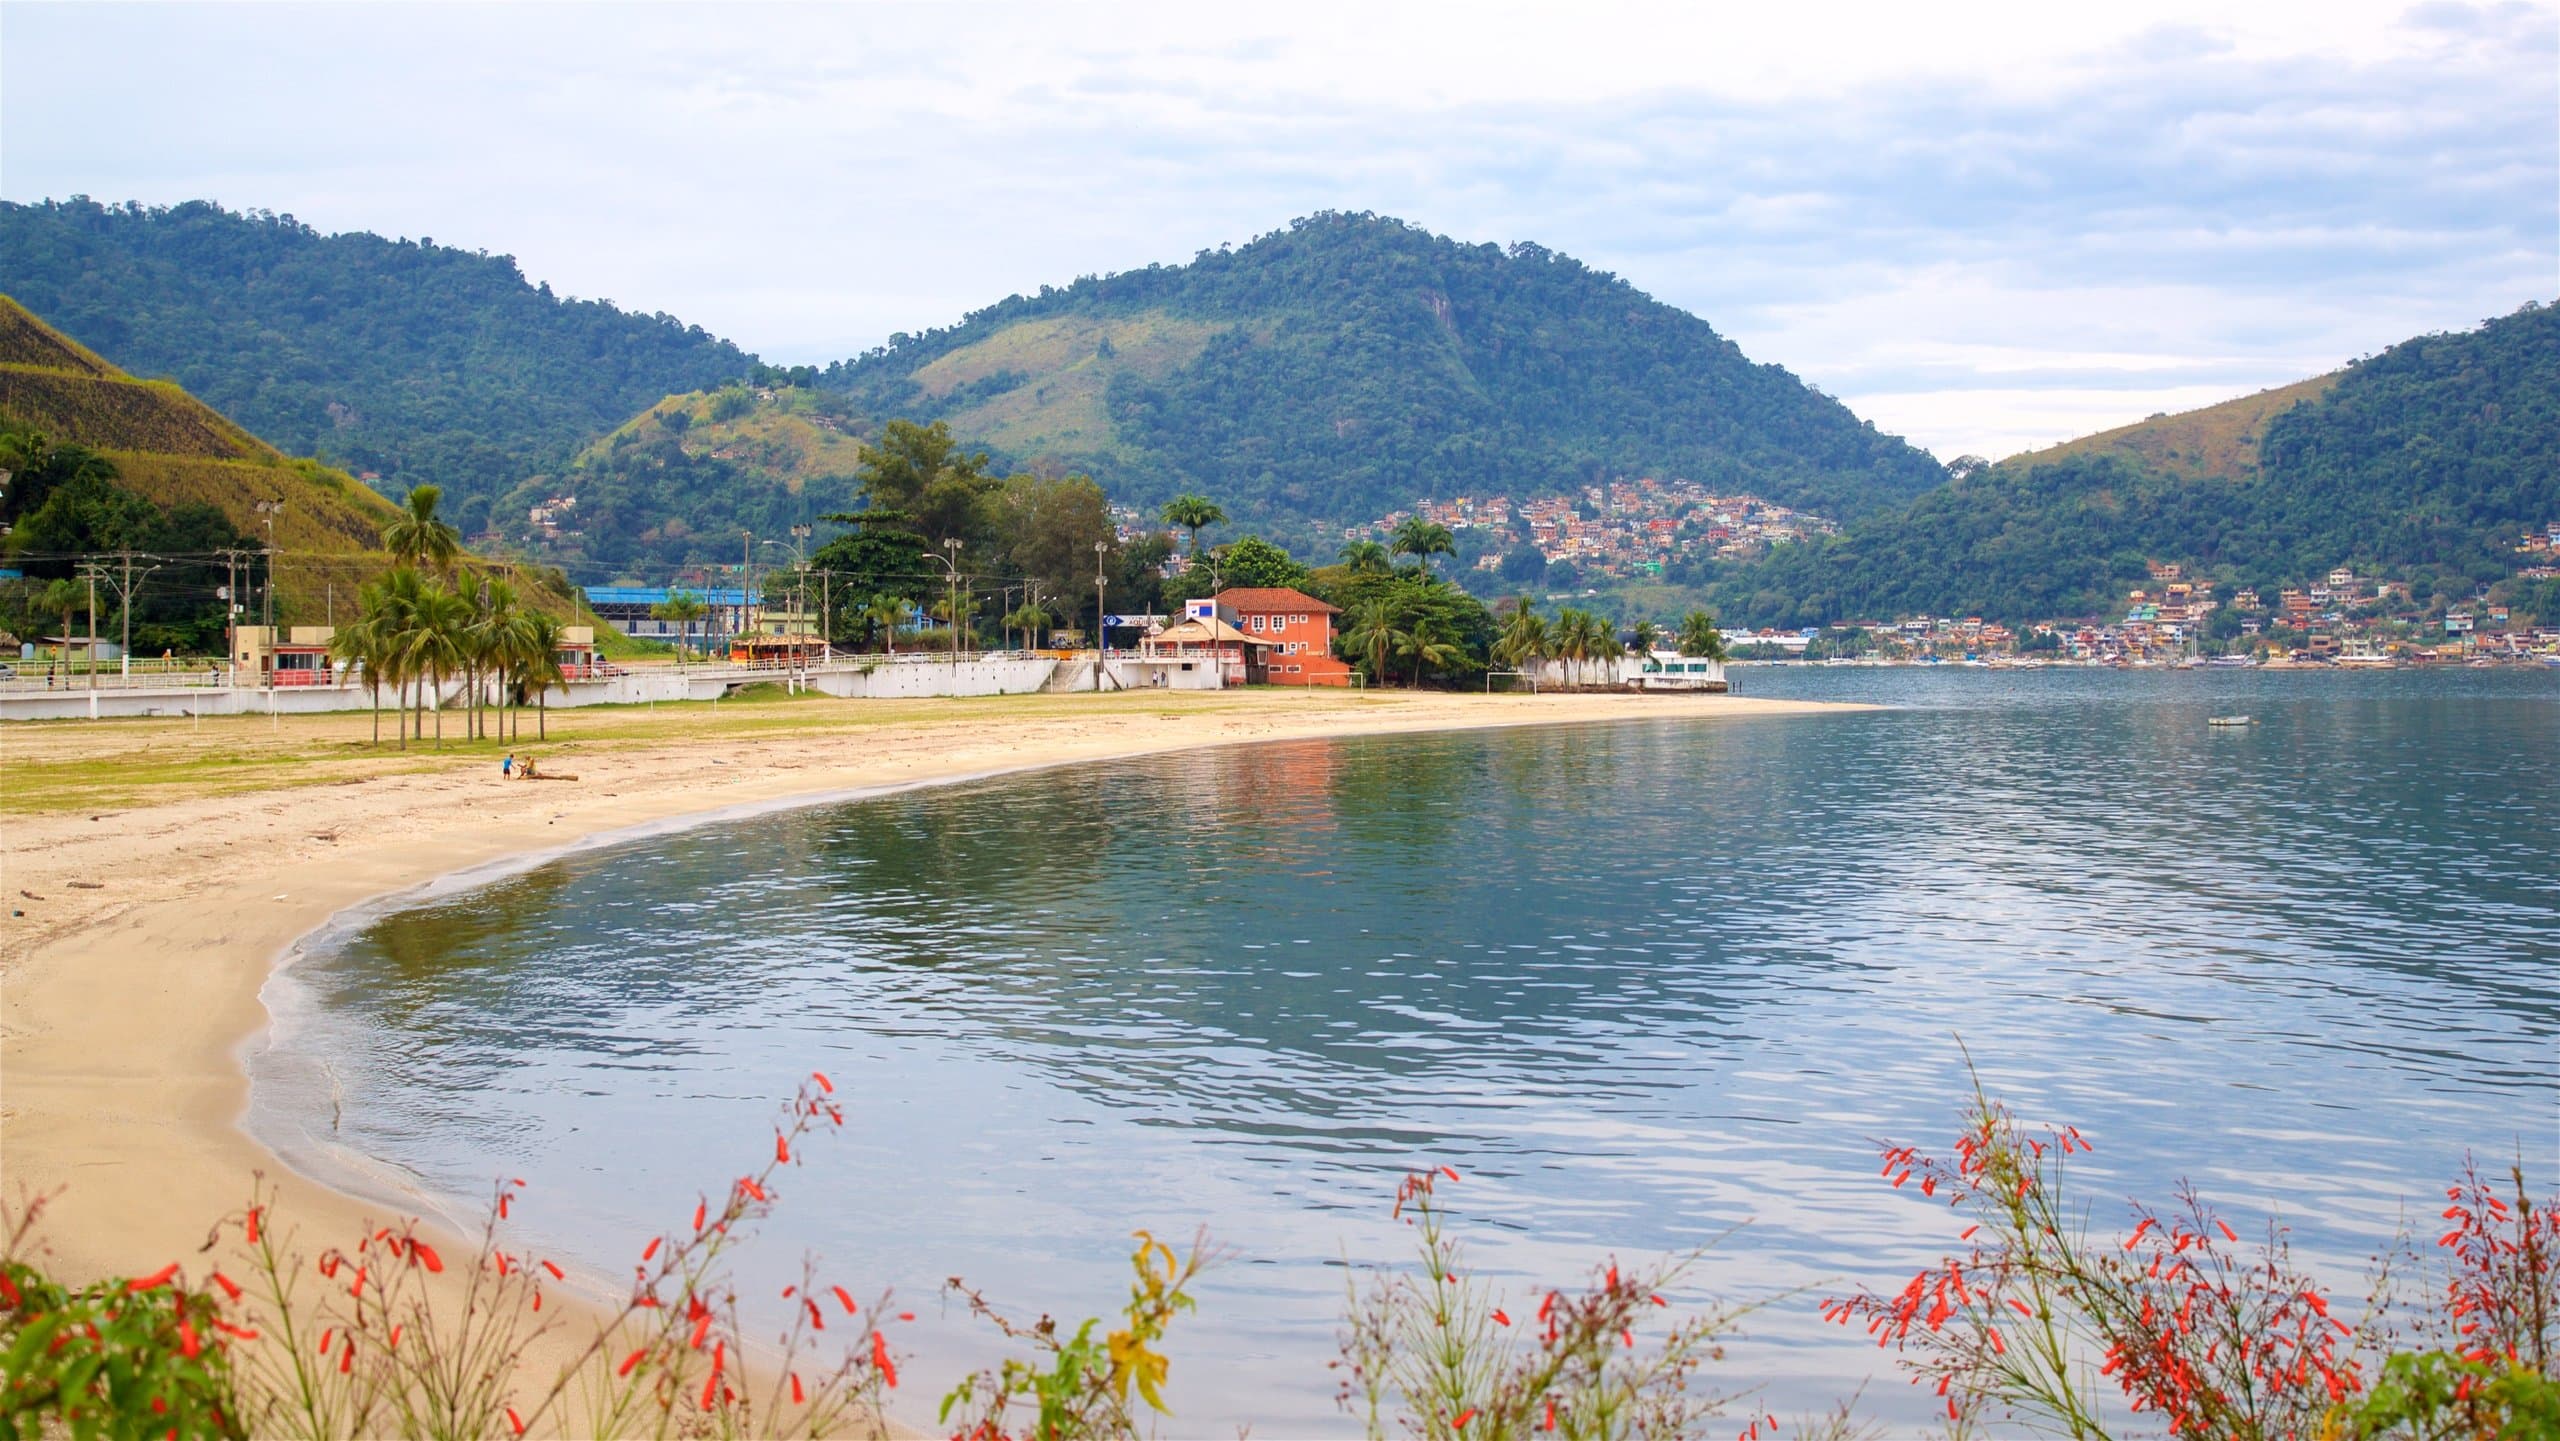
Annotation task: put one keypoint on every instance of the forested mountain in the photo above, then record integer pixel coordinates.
(100, 462)
(683, 479)
(1350, 365)
(415, 361)
(2425, 461)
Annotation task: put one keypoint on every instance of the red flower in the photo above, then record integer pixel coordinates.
(152, 1282)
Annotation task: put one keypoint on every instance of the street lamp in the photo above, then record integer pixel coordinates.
(951, 612)
(268, 510)
(1101, 626)
(800, 582)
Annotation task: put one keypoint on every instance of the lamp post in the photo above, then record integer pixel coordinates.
(268, 510)
(800, 574)
(1101, 628)
(950, 559)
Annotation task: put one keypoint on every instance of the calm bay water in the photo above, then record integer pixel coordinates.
(1641, 983)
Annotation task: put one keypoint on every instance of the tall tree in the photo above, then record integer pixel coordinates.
(1366, 557)
(1194, 513)
(1422, 539)
(1699, 636)
(418, 537)
(920, 472)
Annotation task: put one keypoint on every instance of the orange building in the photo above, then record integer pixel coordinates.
(1299, 629)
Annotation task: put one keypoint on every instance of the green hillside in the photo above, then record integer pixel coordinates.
(413, 361)
(681, 480)
(169, 448)
(2425, 461)
(1349, 365)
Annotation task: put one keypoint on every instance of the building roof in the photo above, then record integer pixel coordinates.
(1266, 599)
(1200, 630)
(654, 595)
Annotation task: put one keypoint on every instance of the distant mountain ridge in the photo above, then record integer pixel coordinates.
(2427, 459)
(1350, 364)
(415, 361)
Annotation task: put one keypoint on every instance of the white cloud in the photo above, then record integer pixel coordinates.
(1938, 216)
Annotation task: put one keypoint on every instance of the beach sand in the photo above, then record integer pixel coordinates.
(160, 870)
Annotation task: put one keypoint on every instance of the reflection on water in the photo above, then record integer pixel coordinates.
(1640, 982)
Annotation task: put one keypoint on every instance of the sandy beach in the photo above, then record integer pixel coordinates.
(150, 900)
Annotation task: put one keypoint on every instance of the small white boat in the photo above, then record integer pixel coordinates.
(2232, 720)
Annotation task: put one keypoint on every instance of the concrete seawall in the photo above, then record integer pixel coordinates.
(871, 677)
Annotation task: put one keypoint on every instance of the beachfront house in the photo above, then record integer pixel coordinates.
(576, 653)
(281, 655)
(1297, 628)
(1206, 649)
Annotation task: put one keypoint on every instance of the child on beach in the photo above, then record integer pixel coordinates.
(507, 767)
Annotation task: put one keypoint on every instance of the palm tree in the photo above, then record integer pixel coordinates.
(1373, 632)
(417, 537)
(431, 647)
(64, 596)
(1699, 637)
(1642, 635)
(1029, 619)
(1430, 645)
(1422, 540)
(1525, 637)
(885, 611)
(1581, 638)
(487, 634)
(371, 641)
(684, 608)
(1194, 513)
(533, 665)
(1366, 557)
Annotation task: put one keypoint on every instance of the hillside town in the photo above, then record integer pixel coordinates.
(1624, 530)
(2340, 618)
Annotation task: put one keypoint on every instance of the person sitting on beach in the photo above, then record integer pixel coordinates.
(526, 772)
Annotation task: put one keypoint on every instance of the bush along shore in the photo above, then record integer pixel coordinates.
(2175, 1326)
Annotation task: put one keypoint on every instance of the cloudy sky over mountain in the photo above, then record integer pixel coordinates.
(1986, 226)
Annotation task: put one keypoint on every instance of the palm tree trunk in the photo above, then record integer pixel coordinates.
(542, 720)
(373, 687)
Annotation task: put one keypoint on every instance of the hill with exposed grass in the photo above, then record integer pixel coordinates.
(679, 482)
(170, 448)
(1350, 365)
(2425, 461)
(406, 360)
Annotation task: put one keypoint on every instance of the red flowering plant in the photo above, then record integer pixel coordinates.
(2487, 1362)
(2032, 1322)
(2182, 1327)
(1440, 1357)
(375, 1338)
(120, 1357)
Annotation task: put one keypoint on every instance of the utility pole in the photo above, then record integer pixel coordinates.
(91, 647)
(1101, 631)
(951, 543)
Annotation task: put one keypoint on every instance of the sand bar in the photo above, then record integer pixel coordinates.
(160, 869)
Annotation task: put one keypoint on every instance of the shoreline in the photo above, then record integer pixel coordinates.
(131, 987)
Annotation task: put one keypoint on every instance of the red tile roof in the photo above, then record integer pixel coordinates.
(1268, 600)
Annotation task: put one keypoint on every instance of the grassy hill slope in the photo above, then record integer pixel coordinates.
(1350, 364)
(414, 361)
(682, 479)
(170, 448)
(2425, 460)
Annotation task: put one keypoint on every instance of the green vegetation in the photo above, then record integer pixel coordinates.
(678, 483)
(2425, 461)
(1351, 364)
(419, 362)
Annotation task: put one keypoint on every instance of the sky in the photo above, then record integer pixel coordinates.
(1984, 226)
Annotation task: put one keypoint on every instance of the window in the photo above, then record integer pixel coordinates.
(1255, 621)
